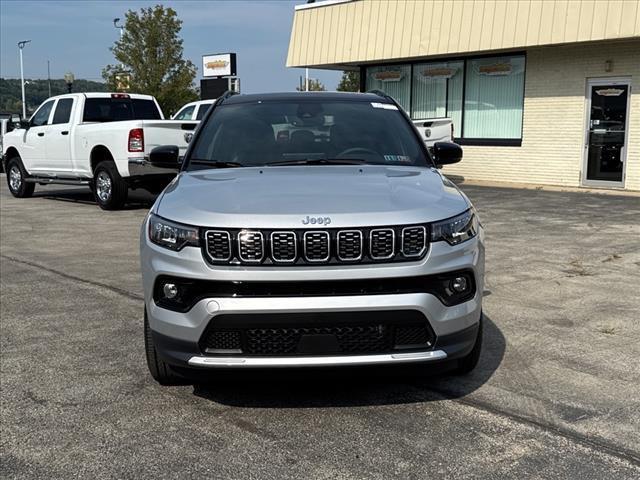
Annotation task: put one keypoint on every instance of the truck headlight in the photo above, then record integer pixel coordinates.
(457, 229)
(172, 235)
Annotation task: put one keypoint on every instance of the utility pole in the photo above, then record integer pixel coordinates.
(306, 79)
(49, 77)
(24, 102)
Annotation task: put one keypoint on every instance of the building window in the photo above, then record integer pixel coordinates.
(493, 98)
(437, 91)
(394, 80)
(483, 96)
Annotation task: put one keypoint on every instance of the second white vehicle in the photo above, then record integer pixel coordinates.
(194, 110)
(101, 140)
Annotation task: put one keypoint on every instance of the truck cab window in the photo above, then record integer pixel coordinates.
(185, 113)
(63, 111)
(42, 115)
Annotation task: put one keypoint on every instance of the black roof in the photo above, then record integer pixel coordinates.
(297, 96)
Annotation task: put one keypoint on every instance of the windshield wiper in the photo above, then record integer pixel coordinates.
(215, 163)
(320, 161)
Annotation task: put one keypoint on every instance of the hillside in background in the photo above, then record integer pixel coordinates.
(36, 91)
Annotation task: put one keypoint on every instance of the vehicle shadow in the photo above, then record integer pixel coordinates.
(353, 387)
(138, 199)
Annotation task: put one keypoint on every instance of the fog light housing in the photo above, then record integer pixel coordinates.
(170, 291)
(177, 294)
(459, 284)
(455, 287)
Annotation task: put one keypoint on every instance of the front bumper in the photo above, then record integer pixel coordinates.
(177, 334)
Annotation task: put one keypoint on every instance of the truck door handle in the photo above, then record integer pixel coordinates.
(41, 134)
(66, 132)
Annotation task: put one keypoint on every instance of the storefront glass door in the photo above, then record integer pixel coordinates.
(606, 134)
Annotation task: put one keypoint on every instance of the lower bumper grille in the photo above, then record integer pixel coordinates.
(313, 334)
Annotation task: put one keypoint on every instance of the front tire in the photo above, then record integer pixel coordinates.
(109, 188)
(160, 370)
(469, 362)
(16, 179)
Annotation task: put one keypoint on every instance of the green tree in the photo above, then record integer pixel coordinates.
(150, 51)
(314, 86)
(350, 82)
(37, 91)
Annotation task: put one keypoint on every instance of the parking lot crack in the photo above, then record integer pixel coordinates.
(74, 278)
(598, 444)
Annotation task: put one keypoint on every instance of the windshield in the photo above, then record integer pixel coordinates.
(305, 131)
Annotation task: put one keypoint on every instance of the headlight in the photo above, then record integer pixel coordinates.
(457, 229)
(172, 235)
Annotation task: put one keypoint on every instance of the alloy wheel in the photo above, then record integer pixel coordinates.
(15, 178)
(103, 186)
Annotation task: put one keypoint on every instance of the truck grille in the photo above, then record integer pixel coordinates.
(308, 247)
(306, 336)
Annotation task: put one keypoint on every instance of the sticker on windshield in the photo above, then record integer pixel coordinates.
(386, 106)
(397, 159)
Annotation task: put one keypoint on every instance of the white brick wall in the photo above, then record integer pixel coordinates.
(554, 118)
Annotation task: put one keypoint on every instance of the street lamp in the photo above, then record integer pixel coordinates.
(121, 27)
(68, 79)
(24, 102)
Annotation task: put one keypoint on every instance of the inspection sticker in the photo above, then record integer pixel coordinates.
(386, 106)
(397, 159)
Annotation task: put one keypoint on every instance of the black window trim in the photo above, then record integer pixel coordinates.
(461, 140)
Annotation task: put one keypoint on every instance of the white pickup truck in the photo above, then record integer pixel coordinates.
(101, 140)
(434, 130)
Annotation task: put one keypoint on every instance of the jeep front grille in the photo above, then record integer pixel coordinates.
(414, 241)
(349, 245)
(315, 246)
(382, 243)
(218, 245)
(284, 246)
(250, 246)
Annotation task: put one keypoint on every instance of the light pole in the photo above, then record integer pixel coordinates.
(24, 103)
(121, 27)
(68, 79)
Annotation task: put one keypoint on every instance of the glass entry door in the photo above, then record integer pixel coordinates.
(606, 132)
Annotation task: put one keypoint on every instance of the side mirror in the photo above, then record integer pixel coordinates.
(17, 122)
(445, 153)
(165, 156)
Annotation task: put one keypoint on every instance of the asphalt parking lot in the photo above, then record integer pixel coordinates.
(556, 394)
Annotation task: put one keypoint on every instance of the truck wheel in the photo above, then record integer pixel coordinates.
(109, 189)
(16, 175)
(468, 363)
(160, 371)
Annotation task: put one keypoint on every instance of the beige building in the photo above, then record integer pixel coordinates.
(539, 91)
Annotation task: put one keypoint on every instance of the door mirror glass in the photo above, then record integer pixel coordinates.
(165, 156)
(445, 153)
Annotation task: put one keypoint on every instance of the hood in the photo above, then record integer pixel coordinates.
(289, 197)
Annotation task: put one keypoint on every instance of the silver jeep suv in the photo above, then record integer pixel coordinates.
(308, 230)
